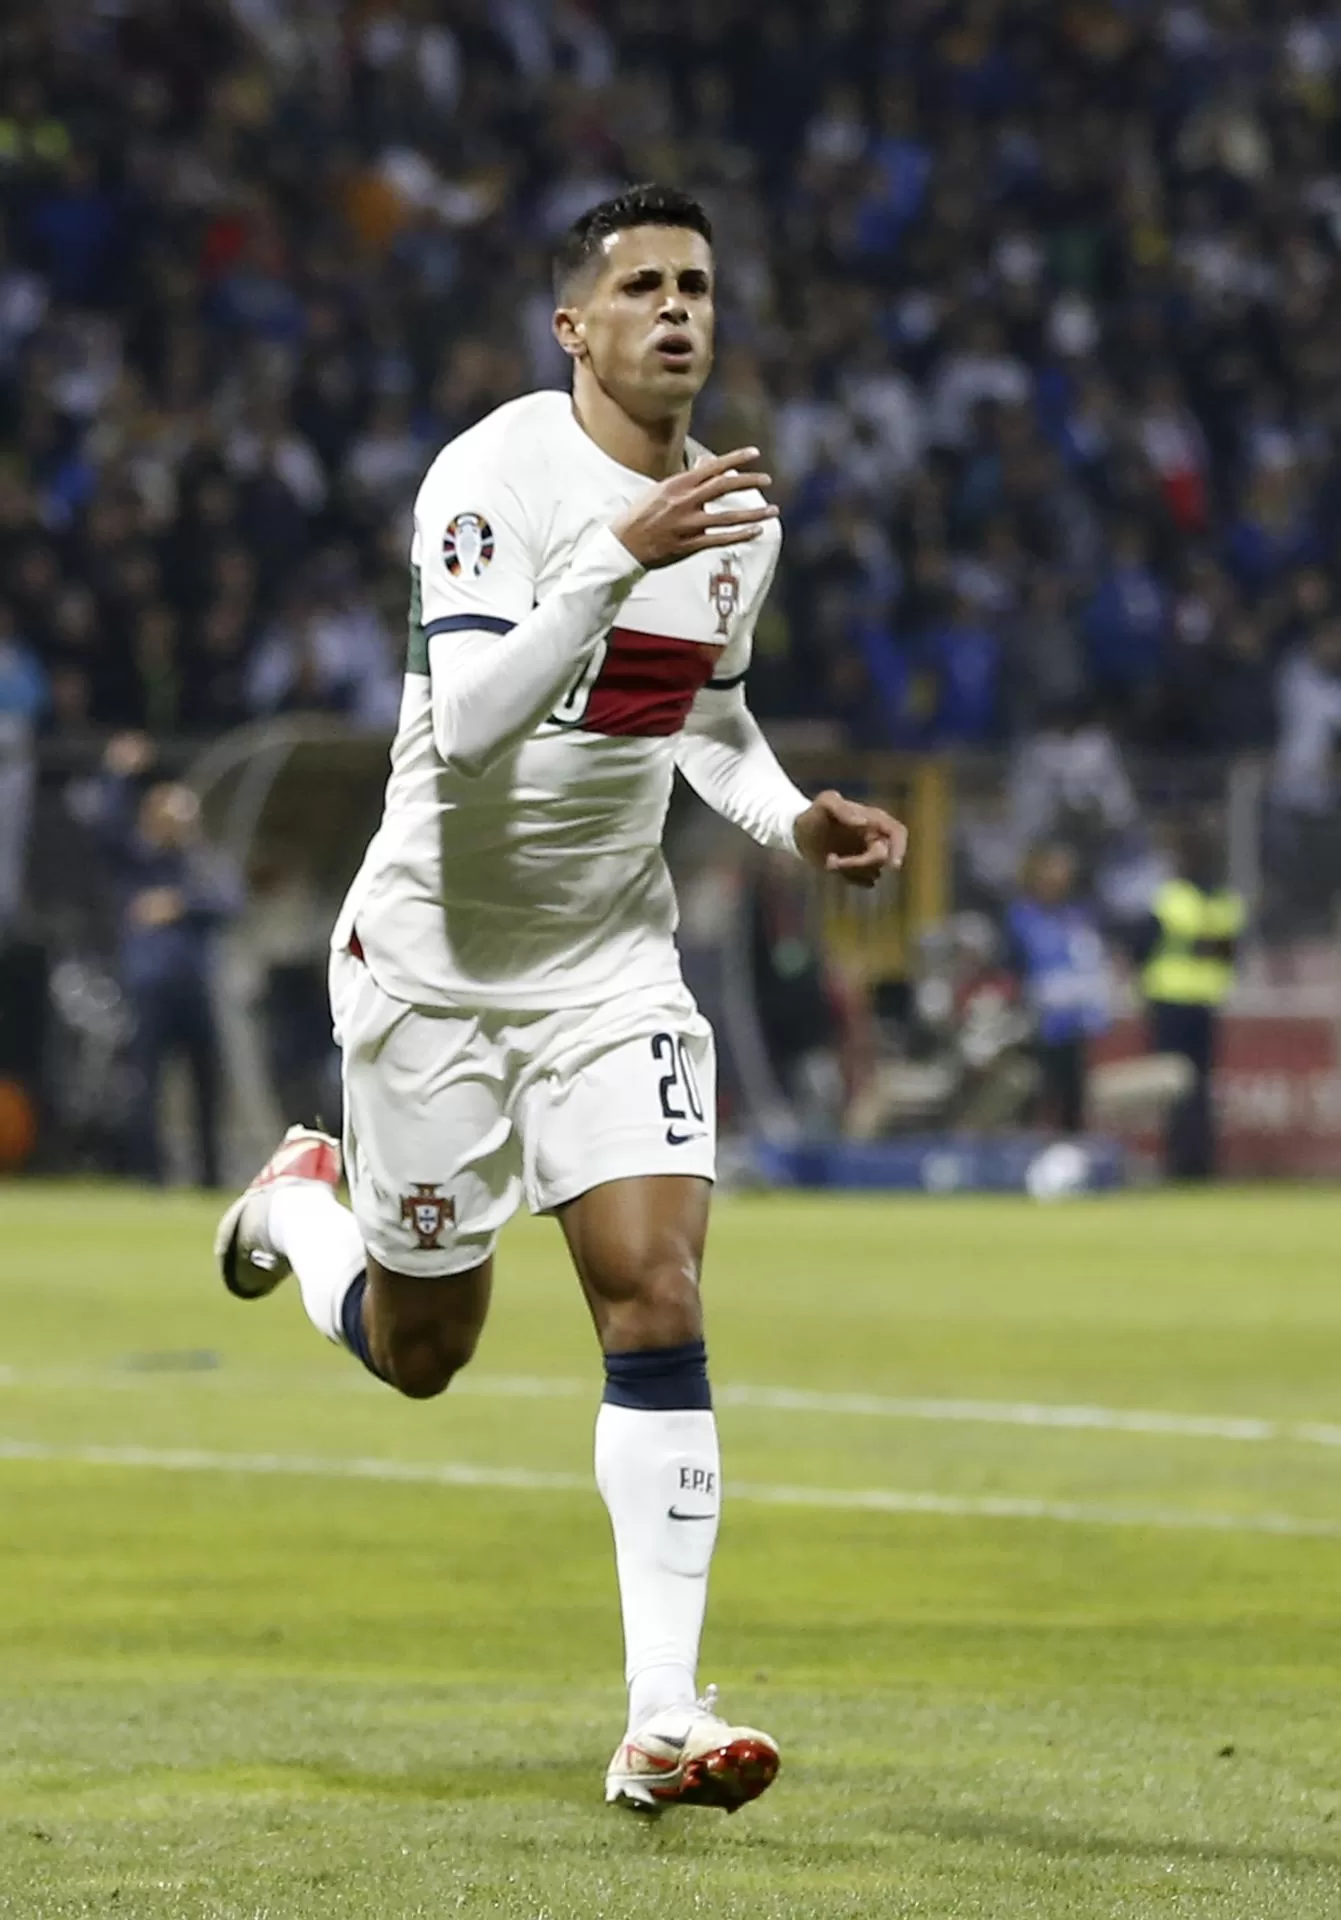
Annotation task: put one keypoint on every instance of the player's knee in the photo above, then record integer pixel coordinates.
(662, 1310)
(422, 1364)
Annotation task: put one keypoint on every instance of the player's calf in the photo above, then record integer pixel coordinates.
(417, 1334)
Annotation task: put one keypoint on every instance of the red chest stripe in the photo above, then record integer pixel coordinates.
(647, 683)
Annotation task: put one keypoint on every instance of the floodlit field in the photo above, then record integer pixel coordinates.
(1033, 1565)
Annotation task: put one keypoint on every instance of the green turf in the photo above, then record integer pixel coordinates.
(244, 1696)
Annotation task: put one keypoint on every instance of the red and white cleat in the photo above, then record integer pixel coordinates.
(247, 1260)
(691, 1757)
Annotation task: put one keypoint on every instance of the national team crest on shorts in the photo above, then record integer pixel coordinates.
(426, 1212)
(468, 545)
(724, 593)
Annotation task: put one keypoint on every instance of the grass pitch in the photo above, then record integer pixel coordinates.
(277, 1646)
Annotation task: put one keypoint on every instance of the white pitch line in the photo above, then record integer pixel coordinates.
(1032, 1413)
(1045, 1415)
(889, 1500)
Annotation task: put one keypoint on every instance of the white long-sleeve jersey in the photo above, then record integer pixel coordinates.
(552, 688)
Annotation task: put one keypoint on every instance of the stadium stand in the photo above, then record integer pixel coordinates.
(1032, 303)
(1032, 307)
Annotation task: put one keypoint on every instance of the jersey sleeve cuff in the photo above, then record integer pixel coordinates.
(786, 841)
(609, 559)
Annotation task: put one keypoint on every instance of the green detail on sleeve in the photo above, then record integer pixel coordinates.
(416, 652)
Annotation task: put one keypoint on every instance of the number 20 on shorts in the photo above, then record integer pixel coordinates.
(681, 1099)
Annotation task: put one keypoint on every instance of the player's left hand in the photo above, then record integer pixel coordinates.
(858, 842)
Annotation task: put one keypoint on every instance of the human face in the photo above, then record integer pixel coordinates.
(1054, 876)
(644, 325)
(168, 814)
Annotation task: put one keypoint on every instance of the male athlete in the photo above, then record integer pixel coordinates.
(504, 979)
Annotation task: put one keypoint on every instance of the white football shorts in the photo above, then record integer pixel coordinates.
(451, 1119)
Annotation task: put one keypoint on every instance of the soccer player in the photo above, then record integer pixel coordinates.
(585, 581)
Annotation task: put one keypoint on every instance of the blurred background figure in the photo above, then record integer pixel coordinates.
(803, 1011)
(1189, 947)
(1306, 777)
(173, 898)
(1057, 954)
(24, 698)
(23, 701)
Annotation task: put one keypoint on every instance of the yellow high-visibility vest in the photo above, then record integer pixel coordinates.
(48, 141)
(1186, 915)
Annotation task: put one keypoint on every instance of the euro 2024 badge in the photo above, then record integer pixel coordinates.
(468, 545)
(724, 593)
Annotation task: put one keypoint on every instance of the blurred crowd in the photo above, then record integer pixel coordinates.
(1034, 305)
(1031, 302)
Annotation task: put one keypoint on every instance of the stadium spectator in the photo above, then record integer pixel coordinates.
(799, 999)
(1274, 532)
(1310, 723)
(1068, 781)
(23, 697)
(961, 654)
(1044, 666)
(1237, 698)
(1127, 623)
(1305, 779)
(1188, 947)
(1056, 953)
(172, 900)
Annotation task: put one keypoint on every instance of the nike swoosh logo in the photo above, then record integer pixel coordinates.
(674, 1139)
(673, 1513)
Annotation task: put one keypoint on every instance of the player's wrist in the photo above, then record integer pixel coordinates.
(609, 544)
(806, 828)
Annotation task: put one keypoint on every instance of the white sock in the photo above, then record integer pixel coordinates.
(651, 1467)
(320, 1240)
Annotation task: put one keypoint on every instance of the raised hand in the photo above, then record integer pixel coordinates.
(675, 519)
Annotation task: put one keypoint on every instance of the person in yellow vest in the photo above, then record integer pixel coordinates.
(1189, 950)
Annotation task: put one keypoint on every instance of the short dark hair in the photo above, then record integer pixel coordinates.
(648, 205)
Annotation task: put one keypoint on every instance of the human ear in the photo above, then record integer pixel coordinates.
(571, 333)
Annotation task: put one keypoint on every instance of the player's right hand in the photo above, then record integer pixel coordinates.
(676, 517)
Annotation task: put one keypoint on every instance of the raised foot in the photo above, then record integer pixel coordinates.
(248, 1263)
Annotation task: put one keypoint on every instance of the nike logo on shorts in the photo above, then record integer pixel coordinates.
(674, 1139)
(673, 1513)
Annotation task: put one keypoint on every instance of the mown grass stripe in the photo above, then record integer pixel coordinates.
(890, 1500)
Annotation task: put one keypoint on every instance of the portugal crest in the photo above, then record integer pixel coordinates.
(724, 593)
(426, 1212)
(468, 545)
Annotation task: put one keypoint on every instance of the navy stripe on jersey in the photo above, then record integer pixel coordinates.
(721, 686)
(468, 623)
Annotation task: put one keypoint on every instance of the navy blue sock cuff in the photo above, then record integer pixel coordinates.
(661, 1380)
(351, 1324)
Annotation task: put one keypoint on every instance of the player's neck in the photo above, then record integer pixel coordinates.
(655, 447)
